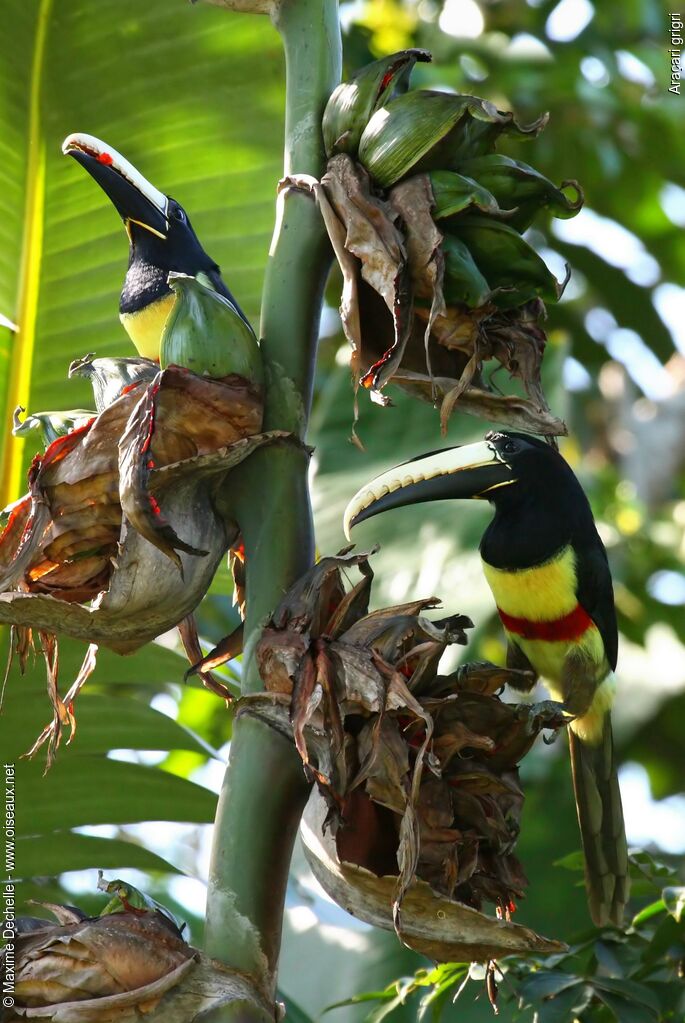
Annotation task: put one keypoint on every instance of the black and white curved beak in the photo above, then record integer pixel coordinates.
(471, 471)
(136, 200)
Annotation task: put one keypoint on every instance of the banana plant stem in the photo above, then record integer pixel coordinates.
(264, 789)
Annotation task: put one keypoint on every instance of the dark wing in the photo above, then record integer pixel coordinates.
(517, 660)
(595, 591)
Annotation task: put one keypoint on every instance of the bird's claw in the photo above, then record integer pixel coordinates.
(545, 714)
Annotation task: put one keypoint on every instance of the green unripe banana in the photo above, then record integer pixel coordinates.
(424, 130)
(516, 184)
(463, 282)
(514, 270)
(352, 104)
(454, 194)
(205, 333)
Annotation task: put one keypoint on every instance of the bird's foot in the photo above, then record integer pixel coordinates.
(547, 714)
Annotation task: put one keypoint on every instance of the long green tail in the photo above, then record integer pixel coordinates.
(600, 816)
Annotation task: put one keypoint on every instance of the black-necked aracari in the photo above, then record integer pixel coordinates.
(161, 239)
(548, 572)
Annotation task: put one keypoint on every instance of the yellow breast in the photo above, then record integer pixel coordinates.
(145, 326)
(542, 593)
(549, 657)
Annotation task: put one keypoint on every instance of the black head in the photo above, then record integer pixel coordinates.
(508, 469)
(536, 469)
(158, 227)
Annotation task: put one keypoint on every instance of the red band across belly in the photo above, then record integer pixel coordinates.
(571, 626)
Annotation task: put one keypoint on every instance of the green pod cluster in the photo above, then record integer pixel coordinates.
(483, 201)
(205, 333)
(352, 104)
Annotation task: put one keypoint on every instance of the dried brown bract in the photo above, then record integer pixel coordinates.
(112, 967)
(129, 963)
(418, 771)
(119, 537)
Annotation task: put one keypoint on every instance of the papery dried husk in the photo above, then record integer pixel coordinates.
(119, 967)
(418, 771)
(202, 986)
(179, 416)
(430, 923)
(90, 959)
(159, 451)
(147, 595)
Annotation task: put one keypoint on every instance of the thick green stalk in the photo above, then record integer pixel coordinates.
(264, 789)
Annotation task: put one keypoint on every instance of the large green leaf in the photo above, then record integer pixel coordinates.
(109, 714)
(172, 87)
(46, 855)
(153, 665)
(104, 723)
(192, 96)
(95, 790)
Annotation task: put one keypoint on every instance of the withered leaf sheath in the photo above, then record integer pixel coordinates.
(418, 771)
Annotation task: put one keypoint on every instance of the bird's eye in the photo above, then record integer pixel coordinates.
(178, 214)
(509, 447)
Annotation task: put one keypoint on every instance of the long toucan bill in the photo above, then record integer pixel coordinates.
(161, 239)
(548, 572)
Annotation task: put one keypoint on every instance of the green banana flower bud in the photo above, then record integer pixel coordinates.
(424, 131)
(51, 424)
(514, 270)
(453, 194)
(463, 281)
(205, 333)
(352, 103)
(516, 184)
